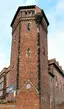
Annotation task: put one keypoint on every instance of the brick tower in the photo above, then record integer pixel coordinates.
(29, 58)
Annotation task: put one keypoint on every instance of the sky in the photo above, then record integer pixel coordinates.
(54, 10)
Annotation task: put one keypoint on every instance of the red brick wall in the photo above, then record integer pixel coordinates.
(28, 65)
(27, 98)
(61, 106)
(14, 54)
(28, 69)
(44, 68)
(57, 89)
(8, 106)
(60, 87)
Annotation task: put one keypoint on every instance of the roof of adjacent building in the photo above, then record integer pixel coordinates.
(56, 64)
(5, 70)
(28, 7)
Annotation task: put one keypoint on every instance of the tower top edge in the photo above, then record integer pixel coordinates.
(28, 7)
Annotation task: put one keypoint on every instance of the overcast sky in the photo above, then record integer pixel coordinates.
(54, 10)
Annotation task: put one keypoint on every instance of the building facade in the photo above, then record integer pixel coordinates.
(29, 52)
(30, 79)
(56, 78)
(3, 82)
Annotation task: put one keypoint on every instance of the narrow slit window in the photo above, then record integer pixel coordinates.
(28, 26)
(28, 51)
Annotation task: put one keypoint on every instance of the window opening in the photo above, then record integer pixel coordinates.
(28, 26)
